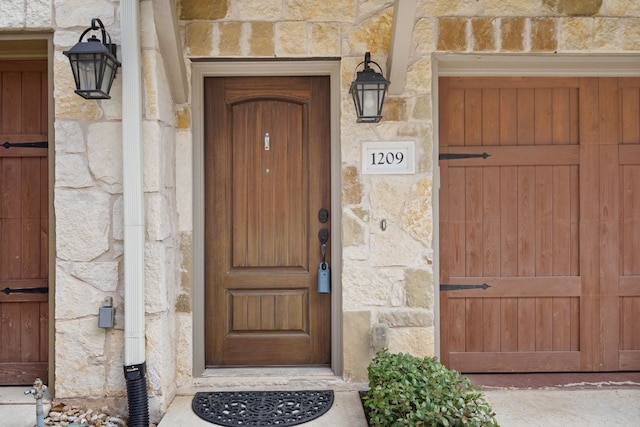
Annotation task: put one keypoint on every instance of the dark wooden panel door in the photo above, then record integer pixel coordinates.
(550, 220)
(23, 223)
(267, 160)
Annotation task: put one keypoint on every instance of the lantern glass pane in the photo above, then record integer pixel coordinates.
(87, 66)
(371, 100)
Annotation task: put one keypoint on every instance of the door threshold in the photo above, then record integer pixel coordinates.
(269, 371)
(270, 378)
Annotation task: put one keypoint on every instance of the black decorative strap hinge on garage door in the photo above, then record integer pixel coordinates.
(452, 156)
(42, 290)
(448, 287)
(40, 144)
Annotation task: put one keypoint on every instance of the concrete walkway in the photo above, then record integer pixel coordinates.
(617, 406)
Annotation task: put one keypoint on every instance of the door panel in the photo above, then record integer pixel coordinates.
(267, 159)
(23, 223)
(547, 221)
(628, 158)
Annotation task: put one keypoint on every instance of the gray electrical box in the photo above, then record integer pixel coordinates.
(106, 314)
(380, 335)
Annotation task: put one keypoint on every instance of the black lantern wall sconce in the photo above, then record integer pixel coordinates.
(368, 91)
(94, 63)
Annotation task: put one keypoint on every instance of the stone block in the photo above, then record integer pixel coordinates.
(394, 248)
(38, 14)
(101, 275)
(78, 13)
(400, 318)
(424, 35)
(104, 152)
(573, 7)
(511, 8)
(418, 341)
(292, 38)
(186, 254)
(623, 8)
(606, 34)
(353, 232)
(483, 33)
(229, 37)
(327, 10)
(263, 10)
(387, 195)
(351, 186)
(199, 37)
(157, 213)
(422, 108)
(364, 286)
(575, 33)
(79, 355)
(357, 344)
(155, 277)
(261, 41)
(631, 35)
(325, 39)
(158, 103)
(417, 219)
(544, 35)
(419, 76)
(184, 179)
(183, 118)
(373, 35)
(452, 34)
(153, 152)
(72, 171)
(184, 348)
(449, 8)
(395, 109)
(75, 298)
(205, 10)
(512, 31)
(12, 14)
(419, 288)
(82, 224)
(117, 227)
(69, 137)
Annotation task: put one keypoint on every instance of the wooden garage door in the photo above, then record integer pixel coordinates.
(548, 218)
(24, 262)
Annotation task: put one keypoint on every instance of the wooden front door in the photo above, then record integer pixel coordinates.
(267, 175)
(549, 220)
(23, 222)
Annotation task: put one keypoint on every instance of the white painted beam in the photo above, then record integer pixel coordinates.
(404, 15)
(164, 14)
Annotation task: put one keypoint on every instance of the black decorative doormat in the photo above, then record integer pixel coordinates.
(261, 408)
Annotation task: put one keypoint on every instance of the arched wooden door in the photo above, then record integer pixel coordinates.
(267, 176)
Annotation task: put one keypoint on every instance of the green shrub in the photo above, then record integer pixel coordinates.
(408, 391)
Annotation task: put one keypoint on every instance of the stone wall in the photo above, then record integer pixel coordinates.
(388, 275)
(88, 210)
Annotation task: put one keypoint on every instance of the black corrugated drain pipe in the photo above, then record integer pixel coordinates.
(137, 396)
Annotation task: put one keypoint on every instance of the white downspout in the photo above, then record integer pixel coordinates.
(134, 346)
(134, 232)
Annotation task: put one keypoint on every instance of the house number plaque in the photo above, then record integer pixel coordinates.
(388, 157)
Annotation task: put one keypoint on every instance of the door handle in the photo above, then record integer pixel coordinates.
(324, 273)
